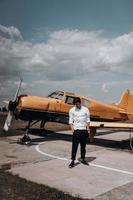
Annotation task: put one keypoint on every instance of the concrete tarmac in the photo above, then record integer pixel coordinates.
(108, 176)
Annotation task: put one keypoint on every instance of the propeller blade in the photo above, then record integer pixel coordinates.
(15, 97)
(8, 121)
(10, 113)
(6, 102)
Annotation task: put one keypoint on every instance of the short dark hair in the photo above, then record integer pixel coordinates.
(77, 100)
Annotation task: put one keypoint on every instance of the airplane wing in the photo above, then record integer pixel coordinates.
(111, 125)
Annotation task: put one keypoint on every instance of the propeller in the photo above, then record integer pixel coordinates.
(6, 102)
(11, 108)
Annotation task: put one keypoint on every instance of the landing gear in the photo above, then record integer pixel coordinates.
(92, 134)
(42, 128)
(131, 139)
(26, 138)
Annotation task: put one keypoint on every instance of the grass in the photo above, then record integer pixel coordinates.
(16, 188)
(12, 187)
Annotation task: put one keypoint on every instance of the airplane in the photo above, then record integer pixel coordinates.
(55, 108)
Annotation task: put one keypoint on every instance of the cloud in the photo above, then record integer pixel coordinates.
(105, 88)
(12, 31)
(67, 56)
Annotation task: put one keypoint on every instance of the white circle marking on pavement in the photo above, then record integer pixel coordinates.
(49, 155)
(94, 165)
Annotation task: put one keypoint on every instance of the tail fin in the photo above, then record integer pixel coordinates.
(126, 101)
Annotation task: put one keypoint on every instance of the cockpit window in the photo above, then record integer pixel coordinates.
(70, 100)
(56, 95)
(85, 103)
(60, 96)
(52, 95)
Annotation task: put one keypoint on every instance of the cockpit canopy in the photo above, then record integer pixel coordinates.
(57, 95)
(68, 97)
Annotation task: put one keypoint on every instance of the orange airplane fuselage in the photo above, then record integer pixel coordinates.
(56, 107)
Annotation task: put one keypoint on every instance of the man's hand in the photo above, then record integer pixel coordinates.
(88, 132)
(88, 129)
(72, 128)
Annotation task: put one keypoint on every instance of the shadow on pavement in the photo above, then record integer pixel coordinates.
(53, 136)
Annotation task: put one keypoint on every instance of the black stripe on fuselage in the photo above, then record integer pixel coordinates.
(31, 115)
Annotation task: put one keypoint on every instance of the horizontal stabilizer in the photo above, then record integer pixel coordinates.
(111, 125)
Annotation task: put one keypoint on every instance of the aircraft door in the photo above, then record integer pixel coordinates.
(54, 105)
(67, 104)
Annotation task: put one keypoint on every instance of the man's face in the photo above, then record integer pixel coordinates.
(78, 105)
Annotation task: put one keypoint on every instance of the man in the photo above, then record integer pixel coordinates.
(79, 120)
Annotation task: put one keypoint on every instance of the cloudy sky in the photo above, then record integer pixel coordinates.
(84, 46)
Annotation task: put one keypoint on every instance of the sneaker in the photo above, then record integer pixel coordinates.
(84, 162)
(71, 165)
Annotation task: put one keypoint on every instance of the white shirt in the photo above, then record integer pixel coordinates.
(79, 117)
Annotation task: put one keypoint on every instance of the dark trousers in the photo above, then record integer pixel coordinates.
(79, 136)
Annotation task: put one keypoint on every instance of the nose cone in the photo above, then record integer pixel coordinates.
(12, 105)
